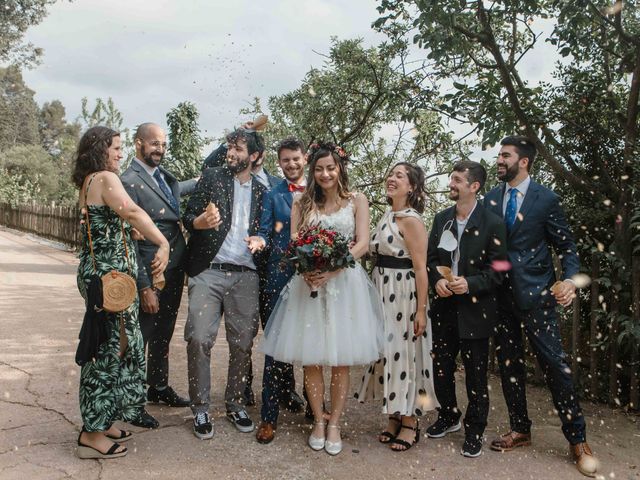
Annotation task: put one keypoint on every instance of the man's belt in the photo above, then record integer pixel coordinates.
(230, 267)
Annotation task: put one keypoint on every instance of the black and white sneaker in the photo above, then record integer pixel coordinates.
(202, 426)
(442, 426)
(472, 446)
(241, 421)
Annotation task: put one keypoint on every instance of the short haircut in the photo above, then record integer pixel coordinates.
(143, 130)
(290, 143)
(523, 145)
(254, 141)
(475, 171)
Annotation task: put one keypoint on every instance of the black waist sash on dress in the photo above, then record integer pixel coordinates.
(388, 261)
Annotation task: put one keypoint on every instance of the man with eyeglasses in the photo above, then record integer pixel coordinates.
(158, 193)
(466, 254)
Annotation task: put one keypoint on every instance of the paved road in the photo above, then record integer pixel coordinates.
(40, 315)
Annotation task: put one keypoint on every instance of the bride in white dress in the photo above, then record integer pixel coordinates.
(342, 326)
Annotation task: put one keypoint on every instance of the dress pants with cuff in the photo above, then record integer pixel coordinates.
(475, 354)
(157, 329)
(211, 292)
(540, 324)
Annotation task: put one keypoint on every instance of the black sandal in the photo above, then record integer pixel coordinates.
(404, 443)
(123, 437)
(86, 452)
(387, 436)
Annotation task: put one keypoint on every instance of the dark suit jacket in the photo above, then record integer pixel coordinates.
(540, 225)
(275, 228)
(144, 191)
(483, 242)
(216, 185)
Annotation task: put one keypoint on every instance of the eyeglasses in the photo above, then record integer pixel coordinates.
(157, 144)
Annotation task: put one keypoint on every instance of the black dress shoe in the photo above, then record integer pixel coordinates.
(167, 396)
(145, 421)
(293, 402)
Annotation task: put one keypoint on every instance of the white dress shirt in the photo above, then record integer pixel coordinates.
(234, 250)
(150, 171)
(461, 224)
(522, 188)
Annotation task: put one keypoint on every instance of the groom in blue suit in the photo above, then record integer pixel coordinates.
(536, 224)
(274, 234)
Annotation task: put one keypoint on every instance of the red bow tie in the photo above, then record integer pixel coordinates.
(296, 188)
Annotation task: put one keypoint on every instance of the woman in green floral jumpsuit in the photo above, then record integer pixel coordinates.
(112, 385)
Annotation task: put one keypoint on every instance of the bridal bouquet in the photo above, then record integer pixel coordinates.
(318, 249)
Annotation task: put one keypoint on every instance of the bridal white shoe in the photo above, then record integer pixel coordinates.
(317, 443)
(333, 448)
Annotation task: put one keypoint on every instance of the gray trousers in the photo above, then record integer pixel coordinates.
(210, 293)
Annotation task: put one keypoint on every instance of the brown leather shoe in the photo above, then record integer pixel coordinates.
(587, 464)
(266, 432)
(511, 440)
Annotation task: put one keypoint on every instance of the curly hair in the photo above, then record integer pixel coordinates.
(417, 197)
(290, 143)
(92, 153)
(313, 197)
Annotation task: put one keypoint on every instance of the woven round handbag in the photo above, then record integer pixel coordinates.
(118, 291)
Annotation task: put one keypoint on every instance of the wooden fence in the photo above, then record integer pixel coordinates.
(53, 222)
(590, 336)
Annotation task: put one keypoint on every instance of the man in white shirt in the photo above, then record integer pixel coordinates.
(221, 213)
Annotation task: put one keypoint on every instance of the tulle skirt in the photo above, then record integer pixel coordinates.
(342, 326)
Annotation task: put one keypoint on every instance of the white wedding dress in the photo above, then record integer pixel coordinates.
(342, 326)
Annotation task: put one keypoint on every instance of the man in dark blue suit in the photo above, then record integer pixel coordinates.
(536, 224)
(278, 384)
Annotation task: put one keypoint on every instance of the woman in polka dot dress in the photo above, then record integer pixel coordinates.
(403, 377)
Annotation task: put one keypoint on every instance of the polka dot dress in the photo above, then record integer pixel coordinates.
(402, 379)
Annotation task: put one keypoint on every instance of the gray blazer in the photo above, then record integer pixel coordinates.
(144, 191)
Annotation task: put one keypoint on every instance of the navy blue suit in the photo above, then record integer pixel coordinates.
(526, 303)
(275, 228)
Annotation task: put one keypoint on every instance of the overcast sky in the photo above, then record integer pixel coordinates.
(150, 55)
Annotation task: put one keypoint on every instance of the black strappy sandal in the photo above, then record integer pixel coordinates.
(86, 452)
(124, 436)
(387, 436)
(404, 443)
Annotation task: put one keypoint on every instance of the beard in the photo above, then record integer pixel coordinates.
(149, 159)
(510, 173)
(454, 194)
(239, 165)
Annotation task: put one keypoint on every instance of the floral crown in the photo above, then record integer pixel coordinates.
(338, 150)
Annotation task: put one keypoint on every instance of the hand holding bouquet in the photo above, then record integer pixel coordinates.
(318, 250)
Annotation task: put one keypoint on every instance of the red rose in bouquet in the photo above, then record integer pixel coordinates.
(318, 249)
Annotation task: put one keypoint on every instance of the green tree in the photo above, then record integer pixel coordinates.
(185, 142)
(584, 122)
(16, 16)
(350, 99)
(18, 110)
(31, 172)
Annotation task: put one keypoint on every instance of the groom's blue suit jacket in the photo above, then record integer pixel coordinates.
(540, 227)
(275, 228)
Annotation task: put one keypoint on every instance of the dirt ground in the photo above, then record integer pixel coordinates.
(40, 316)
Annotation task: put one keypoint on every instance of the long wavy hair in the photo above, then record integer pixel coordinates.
(313, 198)
(417, 199)
(92, 153)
